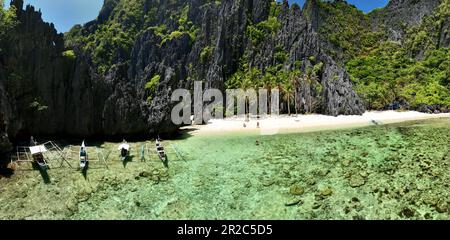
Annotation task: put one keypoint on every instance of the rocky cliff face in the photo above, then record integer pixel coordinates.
(221, 27)
(224, 28)
(48, 89)
(30, 68)
(50, 93)
(399, 15)
(298, 39)
(342, 28)
(386, 47)
(344, 31)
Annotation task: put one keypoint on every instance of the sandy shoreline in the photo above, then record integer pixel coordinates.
(306, 123)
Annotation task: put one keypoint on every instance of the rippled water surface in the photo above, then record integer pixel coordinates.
(398, 171)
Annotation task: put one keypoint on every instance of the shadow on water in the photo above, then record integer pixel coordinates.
(43, 172)
(183, 134)
(84, 170)
(165, 162)
(6, 172)
(127, 160)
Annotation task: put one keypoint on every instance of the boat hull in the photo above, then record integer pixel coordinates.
(42, 166)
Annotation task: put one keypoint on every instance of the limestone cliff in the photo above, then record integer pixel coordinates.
(91, 82)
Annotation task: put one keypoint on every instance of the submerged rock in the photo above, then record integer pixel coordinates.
(325, 191)
(297, 190)
(356, 181)
(267, 182)
(407, 212)
(157, 175)
(293, 202)
(346, 162)
(442, 206)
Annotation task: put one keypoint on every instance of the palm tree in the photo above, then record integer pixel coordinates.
(295, 81)
(288, 91)
(308, 78)
(269, 80)
(246, 84)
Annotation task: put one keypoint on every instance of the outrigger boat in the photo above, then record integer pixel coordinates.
(83, 156)
(39, 159)
(38, 154)
(124, 149)
(161, 151)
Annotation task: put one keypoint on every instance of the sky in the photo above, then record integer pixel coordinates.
(66, 13)
(364, 5)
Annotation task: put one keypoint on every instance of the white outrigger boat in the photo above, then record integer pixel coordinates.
(124, 149)
(38, 156)
(83, 156)
(161, 151)
(37, 151)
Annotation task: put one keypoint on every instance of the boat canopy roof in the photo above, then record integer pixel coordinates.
(38, 149)
(124, 146)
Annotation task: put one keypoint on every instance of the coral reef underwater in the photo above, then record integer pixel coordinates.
(398, 171)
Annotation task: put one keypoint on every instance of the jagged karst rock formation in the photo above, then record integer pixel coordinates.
(53, 94)
(331, 18)
(402, 45)
(298, 39)
(94, 80)
(401, 14)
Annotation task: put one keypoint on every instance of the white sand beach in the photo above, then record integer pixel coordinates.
(306, 123)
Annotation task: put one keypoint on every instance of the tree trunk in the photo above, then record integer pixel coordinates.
(269, 97)
(310, 102)
(289, 105)
(295, 102)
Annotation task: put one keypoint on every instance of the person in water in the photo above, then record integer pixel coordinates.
(143, 153)
(32, 141)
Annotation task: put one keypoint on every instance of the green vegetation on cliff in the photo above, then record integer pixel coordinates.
(151, 86)
(258, 32)
(278, 74)
(428, 35)
(113, 38)
(387, 75)
(409, 73)
(7, 20)
(343, 28)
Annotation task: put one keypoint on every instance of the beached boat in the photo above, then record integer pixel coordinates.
(161, 151)
(38, 156)
(41, 162)
(124, 149)
(83, 156)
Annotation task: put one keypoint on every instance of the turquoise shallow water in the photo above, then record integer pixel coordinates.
(398, 171)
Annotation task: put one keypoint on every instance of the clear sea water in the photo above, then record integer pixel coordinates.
(398, 171)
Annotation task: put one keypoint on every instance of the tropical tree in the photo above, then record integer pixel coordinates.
(295, 79)
(288, 92)
(7, 20)
(269, 82)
